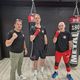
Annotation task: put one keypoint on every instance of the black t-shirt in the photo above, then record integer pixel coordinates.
(39, 42)
(62, 43)
(18, 44)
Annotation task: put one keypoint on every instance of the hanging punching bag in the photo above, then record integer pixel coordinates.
(31, 21)
(31, 24)
(74, 29)
(0, 51)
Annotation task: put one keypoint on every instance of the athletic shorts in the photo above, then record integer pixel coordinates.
(38, 53)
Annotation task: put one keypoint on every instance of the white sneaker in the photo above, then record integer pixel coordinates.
(18, 78)
(22, 77)
(44, 73)
(34, 75)
(35, 72)
(42, 69)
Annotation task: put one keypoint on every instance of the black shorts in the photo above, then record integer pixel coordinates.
(38, 53)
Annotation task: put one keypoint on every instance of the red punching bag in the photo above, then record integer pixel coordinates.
(31, 18)
(31, 24)
(31, 21)
(74, 29)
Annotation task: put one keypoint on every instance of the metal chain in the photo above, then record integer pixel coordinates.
(76, 11)
(33, 8)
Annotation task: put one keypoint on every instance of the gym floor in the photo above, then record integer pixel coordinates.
(26, 69)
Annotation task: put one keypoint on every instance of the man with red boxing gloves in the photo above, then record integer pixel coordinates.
(39, 39)
(63, 43)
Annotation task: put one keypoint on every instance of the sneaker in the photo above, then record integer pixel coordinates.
(69, 77)
(42, 69)
(22, 77)
(44, 72)
(34, 77)
(55, 74)
(35, 72)
(18, 78)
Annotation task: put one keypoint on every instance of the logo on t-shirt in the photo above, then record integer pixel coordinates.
(23, 35)
(64, 37)
(43, 31)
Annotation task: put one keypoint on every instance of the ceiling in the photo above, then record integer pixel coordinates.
(49, 3)
(43, 0)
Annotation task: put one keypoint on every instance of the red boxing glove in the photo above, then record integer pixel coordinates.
(37, 32)
(57, 33)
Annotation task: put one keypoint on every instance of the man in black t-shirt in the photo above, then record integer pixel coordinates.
(63, 45)
(17, 46)
(39, 39)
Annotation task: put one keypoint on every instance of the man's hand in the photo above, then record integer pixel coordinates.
(57, 33)
(54, 40)
(25, 51)
(68, 53)
(55, 36)
(11, 40)
(14, 36)
(70, 45)
(32, 37)
(45, 48)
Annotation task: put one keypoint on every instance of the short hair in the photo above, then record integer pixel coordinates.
(37, 15)
(18, 20)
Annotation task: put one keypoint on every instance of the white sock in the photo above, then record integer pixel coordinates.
(35, 72)
(42, 69)
(22, 77)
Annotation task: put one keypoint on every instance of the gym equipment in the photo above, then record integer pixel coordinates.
(31, 23)
(74, 29)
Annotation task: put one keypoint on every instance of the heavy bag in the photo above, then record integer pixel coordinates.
(74, 29)
(31, 24)
(31, 21)
(0, 47)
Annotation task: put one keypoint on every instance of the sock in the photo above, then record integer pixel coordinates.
(42, 69)
(35, 72)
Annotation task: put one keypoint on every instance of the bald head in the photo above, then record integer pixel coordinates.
(61, 26)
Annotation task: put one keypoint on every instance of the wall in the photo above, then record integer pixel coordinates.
(50, 18)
